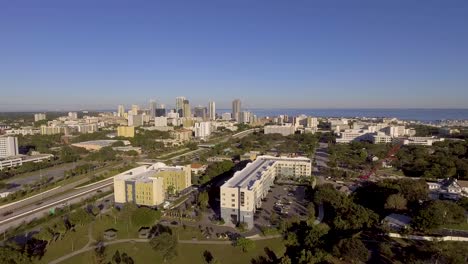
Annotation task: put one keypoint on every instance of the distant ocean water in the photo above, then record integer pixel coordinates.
(424, 115)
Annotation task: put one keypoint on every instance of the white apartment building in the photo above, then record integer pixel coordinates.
(134, 110)
(423, 141)
(135, 120)
(39, 117)
(23, 131)
(21, 159)
(242, 195)
(8, 146)
(202, 129)
(160, 121)
(350, 135)
(312, 122)
(73, 115)
(173, 114)
(285, 130)
(244, 117)
(381, 137)
(121, 111)
(226, 116)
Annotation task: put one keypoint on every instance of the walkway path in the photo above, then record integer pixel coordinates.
(89, 247)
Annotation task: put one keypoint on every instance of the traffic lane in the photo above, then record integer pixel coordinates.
(56, 171)
(7, 214)
(44, 212)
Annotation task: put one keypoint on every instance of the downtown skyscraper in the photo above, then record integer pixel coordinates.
(152, 108)
(179, 105)
(212, 110)
(236, 109)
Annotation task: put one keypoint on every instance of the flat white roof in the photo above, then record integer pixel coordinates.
(143, 173)
(254, 170)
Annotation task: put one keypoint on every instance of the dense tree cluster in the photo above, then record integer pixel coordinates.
(442, 160)
(103, 155)
(146, 139)
(216, 169)
(389, 196)
(343, 213)
(356, 156)
(434, 214)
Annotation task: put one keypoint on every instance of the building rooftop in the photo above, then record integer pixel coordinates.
(254, 170)
(144, 173)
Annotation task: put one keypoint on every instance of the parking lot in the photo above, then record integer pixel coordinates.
(284, 201)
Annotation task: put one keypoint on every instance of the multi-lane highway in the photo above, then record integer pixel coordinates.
(10, 217)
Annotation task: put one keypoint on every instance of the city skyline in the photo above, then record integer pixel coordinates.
(87, 55)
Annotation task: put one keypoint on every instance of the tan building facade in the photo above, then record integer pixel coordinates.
(126, 131)
(149, 185)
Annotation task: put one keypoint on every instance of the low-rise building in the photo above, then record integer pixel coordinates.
(285, 130)
(19, 160)
(422, 141)
(95, 145)
(23, 131)
(160, 121)
(126, 131)
(198, 168)
(39, 117)
(242, 195)
(135, 120)
(149, 185)
(449, 188)
(350, 135)
(182, 135)
(397, 222)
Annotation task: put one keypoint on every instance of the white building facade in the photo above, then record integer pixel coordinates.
(242, 195)
(8, 147)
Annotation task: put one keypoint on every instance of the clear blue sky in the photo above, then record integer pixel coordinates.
(308, 54)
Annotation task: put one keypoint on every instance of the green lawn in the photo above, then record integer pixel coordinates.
(188, 253)
(125, 229)
(127, 226)
(463, 226)
(77, 240)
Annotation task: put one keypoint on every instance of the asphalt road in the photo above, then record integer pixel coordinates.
(56, 172)
(35, 210)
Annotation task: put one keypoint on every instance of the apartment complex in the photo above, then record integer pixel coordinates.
(135, 120)
(181, 135)
(285, 130)
(241, 195)
(149, 185)
(202, 129)
(39, 117)
(126, 131)
(8, 147)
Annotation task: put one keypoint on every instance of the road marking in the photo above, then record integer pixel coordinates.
(10, 204)
(53, 203)
(91, 184)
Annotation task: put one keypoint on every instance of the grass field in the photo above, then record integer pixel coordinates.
(463, 226)
(70, 242)
(188, 253)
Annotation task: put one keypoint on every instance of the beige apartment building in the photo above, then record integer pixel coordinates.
(149, 185)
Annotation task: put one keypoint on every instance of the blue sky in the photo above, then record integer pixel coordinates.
(285, 54)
